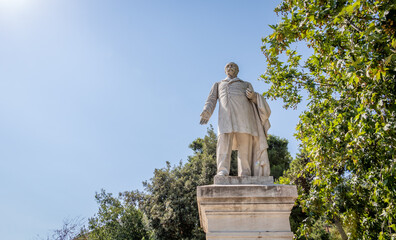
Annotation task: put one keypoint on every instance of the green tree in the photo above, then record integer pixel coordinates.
(296, 175)
(170, 203)
(278, 155)
(348, 131)
(303, 179)
(117, 218)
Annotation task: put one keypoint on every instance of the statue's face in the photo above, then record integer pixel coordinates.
(231, 69)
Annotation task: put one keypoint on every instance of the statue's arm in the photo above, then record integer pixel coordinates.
(210, 104)
(250, 94)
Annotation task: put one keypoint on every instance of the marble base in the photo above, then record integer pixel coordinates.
(231, 180)
(246, 211)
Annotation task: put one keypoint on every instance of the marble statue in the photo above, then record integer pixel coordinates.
(243, 124)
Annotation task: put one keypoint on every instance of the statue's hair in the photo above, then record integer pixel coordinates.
(232, 63)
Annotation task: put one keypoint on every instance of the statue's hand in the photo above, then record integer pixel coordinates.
(203, 121)
(204, 117)
(250, 94)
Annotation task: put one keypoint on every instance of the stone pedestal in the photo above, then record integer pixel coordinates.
(246, 208)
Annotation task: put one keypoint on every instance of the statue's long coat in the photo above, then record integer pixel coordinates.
(238, 114)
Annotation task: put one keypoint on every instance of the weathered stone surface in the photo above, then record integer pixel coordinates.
(241, 180)
(246, 211)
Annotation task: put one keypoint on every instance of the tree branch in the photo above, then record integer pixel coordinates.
(340, 229)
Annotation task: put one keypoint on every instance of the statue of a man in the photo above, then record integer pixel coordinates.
(243, 124)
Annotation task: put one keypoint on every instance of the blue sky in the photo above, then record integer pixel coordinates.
(97, 94)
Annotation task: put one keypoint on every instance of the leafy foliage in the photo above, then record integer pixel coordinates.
(278, 155)
(117, 218)
(303, 179)
(348, 132)
(170, 203)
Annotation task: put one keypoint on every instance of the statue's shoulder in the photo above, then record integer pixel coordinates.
(215, 87)
(216, 84)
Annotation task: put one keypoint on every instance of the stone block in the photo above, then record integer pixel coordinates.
(231, 180)
(246, 211)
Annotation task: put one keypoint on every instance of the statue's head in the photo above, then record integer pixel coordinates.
(231, 69)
